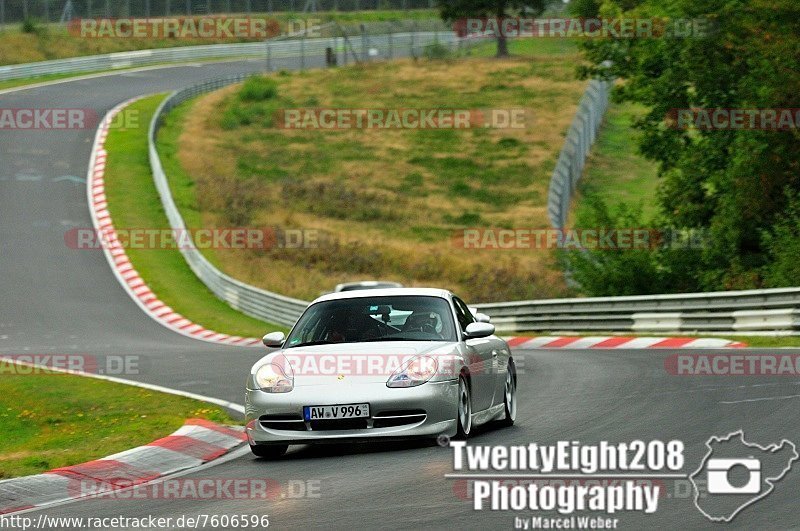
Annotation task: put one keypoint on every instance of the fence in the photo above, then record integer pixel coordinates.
(390, 38)
(580, 137)
(251, 300)
(12, 11)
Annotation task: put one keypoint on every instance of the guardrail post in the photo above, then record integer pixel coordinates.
(269, 57)
(303, 51)
(364, 56)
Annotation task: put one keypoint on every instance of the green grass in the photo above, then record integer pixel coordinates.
(134, 203)
(389, 200)
(55, 420)
(615, 171)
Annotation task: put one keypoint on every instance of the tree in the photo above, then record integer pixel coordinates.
(735, 183)
(454, 10)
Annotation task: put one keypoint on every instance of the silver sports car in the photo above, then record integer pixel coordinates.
(361, 365)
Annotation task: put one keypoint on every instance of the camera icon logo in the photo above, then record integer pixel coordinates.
(735, 474)
(718, 476)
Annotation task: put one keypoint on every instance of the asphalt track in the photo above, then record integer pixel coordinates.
(54, 299)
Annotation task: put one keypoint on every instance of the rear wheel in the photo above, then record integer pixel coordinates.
(269, 451)
(464, 408)
(510, 395)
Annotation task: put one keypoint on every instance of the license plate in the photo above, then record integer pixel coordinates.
(347, 411)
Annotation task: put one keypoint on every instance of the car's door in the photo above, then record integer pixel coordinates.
(480, 360)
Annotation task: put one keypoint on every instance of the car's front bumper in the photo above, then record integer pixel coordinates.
(438, 401)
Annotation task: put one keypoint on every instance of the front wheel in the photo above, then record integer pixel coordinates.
(464, 408)
(269, 451)
(510, 396)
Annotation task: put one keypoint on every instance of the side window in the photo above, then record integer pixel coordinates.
(463, 313)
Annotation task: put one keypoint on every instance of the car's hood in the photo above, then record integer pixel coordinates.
(353, 363)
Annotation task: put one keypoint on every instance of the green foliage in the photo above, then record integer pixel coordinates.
(31, 25)
(460, 9)
(783, 246)
(732, 183)
(437, 50)
(258, 88)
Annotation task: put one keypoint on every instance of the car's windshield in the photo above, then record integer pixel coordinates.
(362, 319)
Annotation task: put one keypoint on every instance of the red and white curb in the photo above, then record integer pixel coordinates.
(621, 342)
(121, 265)
(195, 443)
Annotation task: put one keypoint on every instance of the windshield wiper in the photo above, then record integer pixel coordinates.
(311, 343)
(390, 338)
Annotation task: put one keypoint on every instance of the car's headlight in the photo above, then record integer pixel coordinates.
(416, 372)
(272, 378)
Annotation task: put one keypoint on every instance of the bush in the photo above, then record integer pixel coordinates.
(436, 50)
(31, 25)
(258, 88)
(783, 246)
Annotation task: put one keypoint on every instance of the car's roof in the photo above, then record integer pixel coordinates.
(385, 292)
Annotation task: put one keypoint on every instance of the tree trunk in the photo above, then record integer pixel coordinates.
(502, 46)
(502, 43)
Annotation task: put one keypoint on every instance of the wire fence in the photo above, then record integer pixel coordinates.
(12, 11)
(385, 39)
(580, 137)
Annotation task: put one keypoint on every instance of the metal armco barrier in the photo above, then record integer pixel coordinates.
(722, 311)
(580, 137)
(389, 37)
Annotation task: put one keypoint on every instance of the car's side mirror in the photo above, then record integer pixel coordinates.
(274, 339)
(477, 330)
(482, 318)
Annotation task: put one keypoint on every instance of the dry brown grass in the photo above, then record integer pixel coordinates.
(355, 184)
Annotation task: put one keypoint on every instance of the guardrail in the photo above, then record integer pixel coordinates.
(249, 299)
(580, 137)
(401, 31)
(722, 311)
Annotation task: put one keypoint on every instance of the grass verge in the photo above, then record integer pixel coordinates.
(615, 171)
(387, 203)
(134, 203)
(50, 420)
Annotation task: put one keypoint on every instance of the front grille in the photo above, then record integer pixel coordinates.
(283, 422)
(339, 424)
(390, 419)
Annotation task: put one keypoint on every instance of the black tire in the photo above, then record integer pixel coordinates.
(464, 414)
(510, 396)
(269, 451)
